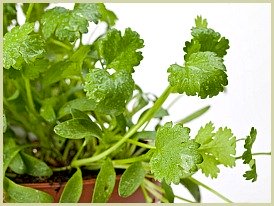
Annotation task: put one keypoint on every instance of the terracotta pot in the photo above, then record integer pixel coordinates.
(56, 189)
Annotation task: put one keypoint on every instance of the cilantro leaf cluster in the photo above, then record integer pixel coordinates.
(203, 73)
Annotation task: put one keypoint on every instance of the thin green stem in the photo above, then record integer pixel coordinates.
(210, 189)
(184, 199)
(173, 102)
(254, 154)
(156, 194)
(29, 95)
(132, 159)
(147, 116)
(67, 149)
(61, 44)
(154, 186)
(240, 139)
(58, 169)
(146, 196)
(80, 150)
(29, 11)
(140, 144)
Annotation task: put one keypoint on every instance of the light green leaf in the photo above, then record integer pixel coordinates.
(216, 148)
(109, 92)
(105, 183)
(203, 75)
(95, 12)
(176, 156)
(145, 135)
(73, 189)
(36, 167)
(21, 194)
(82, 104)
(120, 52)
(205, 39)
(47, 110)
(22, 46)
(17, 165)
(63, 23)
(131, 179)
(78, 129)
(192, 188)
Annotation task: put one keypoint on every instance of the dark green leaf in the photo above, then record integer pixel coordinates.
(192, 188)
(251, 174)
(203, 75)
(34, 69)
(21, 46)
(82, 104)
(78, 114)
(161, 113)
(194, 115)
(105, 182)
(169, 195)
(110, 92)
(21, 194)
(120, 52)
(176, 156)
(77, 129)
(36, 167)
(131, 179)
(73, 189)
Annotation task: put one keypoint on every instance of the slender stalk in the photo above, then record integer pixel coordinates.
(29, 11)
(210, 189)
(80, 150)
(240, 139)
(146, 196)
(254, 154)
(67, 148)
(147, 116)
(156, 194)
(29, 95)
(154, 186)
(186, 200)
(173, 102)
(140, 144)
(139, 151)
(61, 44)
(58, 169)
(130, 160)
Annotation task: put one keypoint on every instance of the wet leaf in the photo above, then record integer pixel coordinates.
(192, 188)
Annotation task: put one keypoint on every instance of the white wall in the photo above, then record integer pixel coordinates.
(165, 28)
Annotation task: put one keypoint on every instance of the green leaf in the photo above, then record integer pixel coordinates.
(205, 39)
(47, 110)
(17, 165)
(10, 150)
(131, 179)
(34, 69)
(216, 148)
(95, 12)
(77, 114)
(77, 129)
(176, 156)
(192, 188)
(194, 115)
(63, 23)
(82, 104)
(251, 174)
(203, 75)
(73, 189)
(105, 182)
(110, 92)
(120, 52)
(36, 167)
(247, 156)
(21, 194)
(21, 46)
(169, 195)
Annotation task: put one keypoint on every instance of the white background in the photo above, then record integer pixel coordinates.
(164, 28)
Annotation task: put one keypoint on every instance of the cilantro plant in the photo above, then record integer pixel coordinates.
(71, 106)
